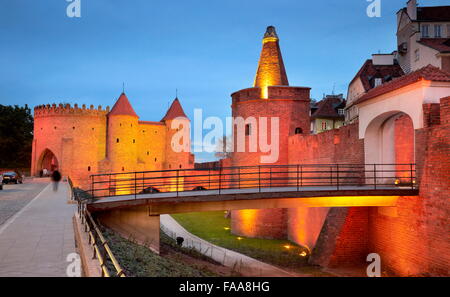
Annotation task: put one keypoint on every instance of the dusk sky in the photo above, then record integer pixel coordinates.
(205, 49)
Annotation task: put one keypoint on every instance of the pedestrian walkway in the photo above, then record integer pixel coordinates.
(37, 240)
(246, 265)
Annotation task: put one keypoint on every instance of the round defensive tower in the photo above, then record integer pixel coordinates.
(70, 139)
(270, 97)
(122, 136)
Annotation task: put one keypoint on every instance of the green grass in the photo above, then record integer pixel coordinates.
(215, 228)
(139, 261)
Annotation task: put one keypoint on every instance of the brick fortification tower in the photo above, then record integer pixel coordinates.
(270, 96)
(83, 141)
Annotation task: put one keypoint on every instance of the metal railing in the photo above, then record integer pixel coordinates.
(324, 176)
(101, 249)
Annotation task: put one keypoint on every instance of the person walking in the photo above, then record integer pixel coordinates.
(56, 178)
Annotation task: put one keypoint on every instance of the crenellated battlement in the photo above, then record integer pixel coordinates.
(67, 109)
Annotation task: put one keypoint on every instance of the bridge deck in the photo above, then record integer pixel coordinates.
(325, 196)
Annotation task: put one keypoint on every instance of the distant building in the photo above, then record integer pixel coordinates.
(328, 113)
(376, 71)
(423, 37)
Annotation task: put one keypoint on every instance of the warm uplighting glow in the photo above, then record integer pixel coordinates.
(287, 246)
(247, 220)
(303, 254)
(239, 238)
(265, 92)
(397, 182)
(226, 228)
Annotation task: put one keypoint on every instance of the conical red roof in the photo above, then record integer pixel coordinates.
(175, 111)
(122, 107)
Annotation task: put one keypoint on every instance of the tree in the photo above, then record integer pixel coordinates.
(224, 148)
(16, 136)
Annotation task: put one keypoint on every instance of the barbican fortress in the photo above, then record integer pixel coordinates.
(405, 120)
(84, 141)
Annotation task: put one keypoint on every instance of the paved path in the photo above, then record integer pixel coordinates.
(246, 265)
(38, 238)
(14, 197)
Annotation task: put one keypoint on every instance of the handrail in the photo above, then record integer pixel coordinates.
(102, 251)
(256, 177)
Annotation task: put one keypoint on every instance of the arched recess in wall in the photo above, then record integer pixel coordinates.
(48, 161)
(390, 140)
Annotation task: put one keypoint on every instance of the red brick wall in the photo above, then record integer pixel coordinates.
(404, 147)
(291, 106)
(351, 245)
(415, 240)
(347, 242)
(335, 146)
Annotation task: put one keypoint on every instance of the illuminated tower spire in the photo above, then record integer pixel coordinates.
(271, 71)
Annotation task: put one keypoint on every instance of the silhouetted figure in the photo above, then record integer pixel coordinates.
(56, 178)
(41, 173)
(180, 241)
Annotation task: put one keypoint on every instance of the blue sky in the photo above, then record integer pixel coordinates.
(205, 49)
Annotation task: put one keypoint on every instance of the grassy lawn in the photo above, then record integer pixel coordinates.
(215, 228)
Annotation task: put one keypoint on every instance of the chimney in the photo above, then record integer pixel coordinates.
(383, 59)
(412, 9)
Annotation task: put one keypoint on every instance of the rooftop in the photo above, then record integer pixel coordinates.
(430, 73)
(175, 111)
(442, 45)
(122, 107)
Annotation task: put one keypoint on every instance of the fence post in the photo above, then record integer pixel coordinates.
(337, 176)
(220, 178)
(331, 174)
(135, 186)
(270, 177)
(412, 178)
(239, 178)
(375, 176)
(298, 180)
(259, 177)
(92, 186)
(178, 176)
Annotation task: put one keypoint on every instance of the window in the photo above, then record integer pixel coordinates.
(341, 111)
(181, 166)
(117, 140)
(134, 140)
(123, 168)
(73, 128)
(425, 29)
(248, 129)
(417, 55)
(324, 125)
(437, 31)
(89, 168)
(298, 131)
(148, 153)
(448, 31)
(378, 82)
